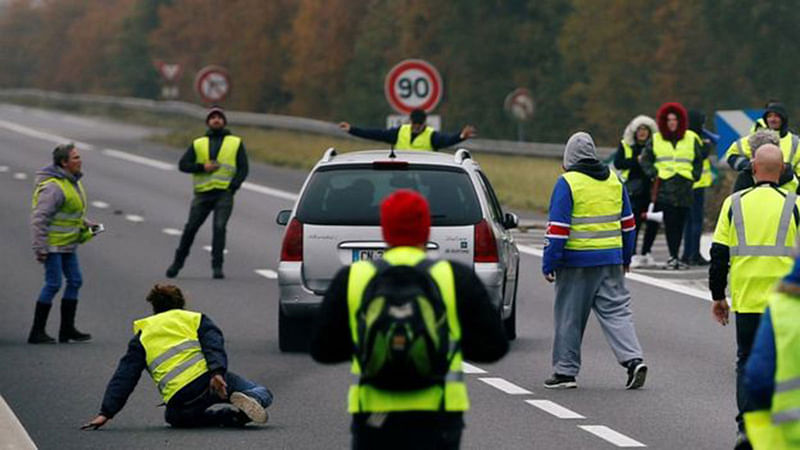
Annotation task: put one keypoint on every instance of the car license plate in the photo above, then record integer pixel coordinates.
(367, 255)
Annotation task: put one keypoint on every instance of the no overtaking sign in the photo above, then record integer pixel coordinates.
(212, 83)
(412, 84)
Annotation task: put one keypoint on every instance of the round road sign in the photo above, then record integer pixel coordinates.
(412, 84)
(519, 103)
(212, 83)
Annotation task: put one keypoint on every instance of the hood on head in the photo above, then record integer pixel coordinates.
(779, 109)
(696, 120)
(683, 120)
(580, 146)
(53, 171)
(629, 136)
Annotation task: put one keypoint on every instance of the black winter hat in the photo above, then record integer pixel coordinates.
(215, 109)
(778, 109)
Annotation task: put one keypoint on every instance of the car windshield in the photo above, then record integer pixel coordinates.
(351, 195)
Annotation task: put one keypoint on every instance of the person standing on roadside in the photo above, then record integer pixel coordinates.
(636, 136)
(414, 136)
(58, 226)
(588, 245)
(693, 229)
(753, 240)
(218, 164)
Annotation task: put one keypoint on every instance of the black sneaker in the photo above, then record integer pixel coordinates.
(172, 271)
(637, 373)
(675, 264)
(226, 415)
(218, 275)
(742, 443)
(558, 381)
(699, 261)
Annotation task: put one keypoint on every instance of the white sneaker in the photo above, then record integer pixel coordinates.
(648, 260)
(636, 261)
(250, 407)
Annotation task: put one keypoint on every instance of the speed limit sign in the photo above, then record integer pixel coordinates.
(413, 84)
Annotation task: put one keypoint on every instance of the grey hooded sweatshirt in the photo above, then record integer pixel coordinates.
(51, 198)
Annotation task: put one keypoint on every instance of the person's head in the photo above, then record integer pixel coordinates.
(672, 120)
(67, 157)
(697, 119)
(762, 137)
(215, 119)
(580, 146)
(639, 130)
(768, 163)
(405, 219)
(418, 119)
(642, 134)
(775, 116)
(164, 297)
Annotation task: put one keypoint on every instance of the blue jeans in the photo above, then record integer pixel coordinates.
(54, 265)
(237, 383)
(694, 226)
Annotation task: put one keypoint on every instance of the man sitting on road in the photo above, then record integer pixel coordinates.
(184, 353)
(416, 136)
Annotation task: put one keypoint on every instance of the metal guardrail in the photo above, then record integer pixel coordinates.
(537, 149)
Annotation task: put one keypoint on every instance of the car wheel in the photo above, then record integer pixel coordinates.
(294, 334)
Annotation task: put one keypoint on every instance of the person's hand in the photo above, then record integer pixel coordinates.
(468, 132)
(550, 277)
(344, 126)
(96, 423)
(210, 166)
(219, 386)
(41, 256)
(720, 311)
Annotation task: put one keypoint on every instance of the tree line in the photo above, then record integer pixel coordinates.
(590, 64)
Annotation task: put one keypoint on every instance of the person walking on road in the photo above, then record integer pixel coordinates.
(184, 353)
(675, 161)
(407, 323)
(588, 245)
(755, 232)
(58, 226)
(414, 136)
(218, 164)
(693, 229)
(773, 369)
(636, 136)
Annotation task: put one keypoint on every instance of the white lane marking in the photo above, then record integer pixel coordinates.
(99, 204)
(44, 136)
(208, 249)
(267, 273)
(3, 169)
(269, 191)
(614, 437)
(20, 176)
(555, 409)
(663, 284)
(505, 386)
(134, 218)
(14, 435)
(138, 159)
(172, 231)
(469, 368)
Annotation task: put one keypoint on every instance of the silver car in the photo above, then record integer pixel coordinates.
(335, 222)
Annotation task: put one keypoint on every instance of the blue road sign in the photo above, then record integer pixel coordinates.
(732, 125)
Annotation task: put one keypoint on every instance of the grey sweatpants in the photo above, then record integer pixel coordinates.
(580, 290)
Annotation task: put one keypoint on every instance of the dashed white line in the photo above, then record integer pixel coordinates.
(555, 409)
(267, 273)
(505, 386)
(3, 169)
(469, 368)
(208, 249)
(20, 176)
(99, 204)
(614, 437)
(134, 218)
(138, 159)
(172, 231)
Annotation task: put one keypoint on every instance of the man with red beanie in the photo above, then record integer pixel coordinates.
(386, 413)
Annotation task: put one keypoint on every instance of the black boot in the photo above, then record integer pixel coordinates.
(68, 331)
(218, 273)
(38, 335)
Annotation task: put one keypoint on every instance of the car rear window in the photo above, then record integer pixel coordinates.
(351, 195)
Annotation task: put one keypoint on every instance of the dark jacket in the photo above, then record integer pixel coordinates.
(637, 182)
(389, 135)
(133, 363)
(188, 162)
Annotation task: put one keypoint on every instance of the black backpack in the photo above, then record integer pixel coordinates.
(402, 327)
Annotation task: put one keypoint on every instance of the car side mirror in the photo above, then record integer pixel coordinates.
(510, 221)
(283, 216)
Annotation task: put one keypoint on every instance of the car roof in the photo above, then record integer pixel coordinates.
(461, 158)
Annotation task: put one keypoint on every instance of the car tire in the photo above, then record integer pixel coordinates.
(293, 333)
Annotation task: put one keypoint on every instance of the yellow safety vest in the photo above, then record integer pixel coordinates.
(779, 428)
(596, 212)
(628, 155)
(707, 178)
(421, 142)
(366, 398)
(67, 227)
(677, 160)
(222, 177)
(760, 235)
(172, 349)
(789, 146)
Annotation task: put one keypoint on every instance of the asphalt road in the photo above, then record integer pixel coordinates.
(688, 400)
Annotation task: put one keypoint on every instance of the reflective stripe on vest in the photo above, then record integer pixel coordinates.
(779, 248)
(785, 314)
(674, 160)
(66, 226)
(365, 398)
(172, 349)
(222, 177)
(421, 142)
(596, 212)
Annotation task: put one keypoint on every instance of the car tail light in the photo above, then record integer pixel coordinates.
(485, 246)
(292, 248)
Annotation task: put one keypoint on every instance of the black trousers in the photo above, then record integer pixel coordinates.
(674, 222)
(746, 327)
(221, 203)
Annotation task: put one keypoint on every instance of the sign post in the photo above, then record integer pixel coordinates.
(520, 106)
(212, 83)
(413, 84)
(170, 72)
